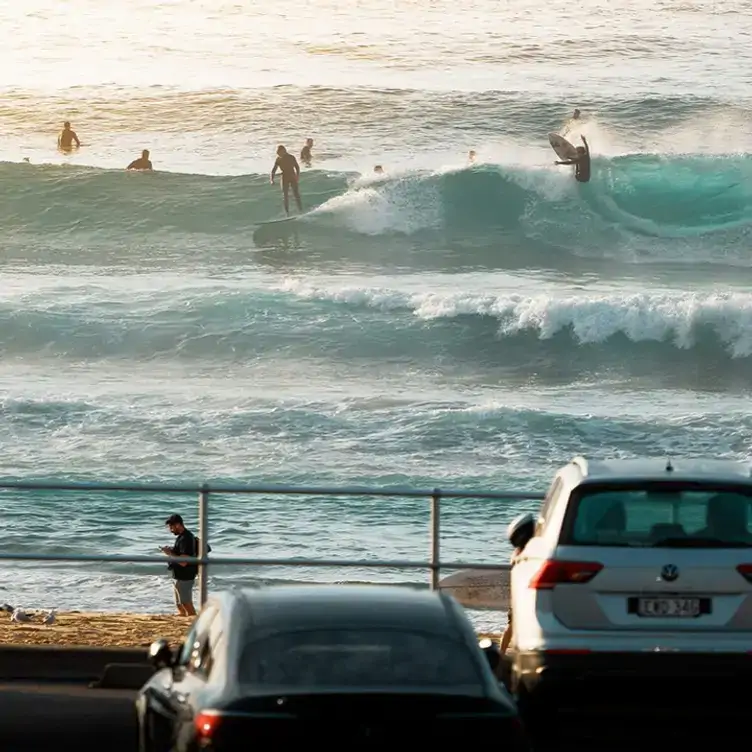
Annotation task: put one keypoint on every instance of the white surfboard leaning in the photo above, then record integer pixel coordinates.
(478, 588)
(564, 150)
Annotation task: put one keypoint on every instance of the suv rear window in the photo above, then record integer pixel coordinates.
(660, 516)
(358, 659)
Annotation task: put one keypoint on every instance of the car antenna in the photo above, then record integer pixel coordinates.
(669, 466)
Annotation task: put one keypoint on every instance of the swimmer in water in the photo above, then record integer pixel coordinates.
(378, 169)
(305, 152)
(471, 155)
(581, 162)
(142, 163)
(290, 169)
(67, 137)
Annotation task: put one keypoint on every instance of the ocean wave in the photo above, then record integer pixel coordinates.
(671, 199)
(630, 198)
(237, 322)
(677, 319)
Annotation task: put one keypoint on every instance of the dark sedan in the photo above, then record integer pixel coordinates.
(344, 665)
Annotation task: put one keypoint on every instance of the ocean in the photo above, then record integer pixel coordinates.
(447, 323)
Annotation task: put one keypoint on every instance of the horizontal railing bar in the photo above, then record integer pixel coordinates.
(224, 560)
(127, 487)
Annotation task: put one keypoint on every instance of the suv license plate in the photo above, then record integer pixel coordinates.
(668, 607)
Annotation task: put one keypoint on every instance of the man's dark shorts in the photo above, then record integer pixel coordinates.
(183, 592)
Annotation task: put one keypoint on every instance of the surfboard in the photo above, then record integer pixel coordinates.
(478, 588)
(562, 147)
(281, 220)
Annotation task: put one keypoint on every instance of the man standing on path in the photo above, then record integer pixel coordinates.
(184, 575)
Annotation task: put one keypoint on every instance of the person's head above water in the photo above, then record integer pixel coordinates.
(581, 149)
(309, 142)
(66, 125)
(575, 114)
(471, 155)
(145, 154)
(281, 151)
(378, 169)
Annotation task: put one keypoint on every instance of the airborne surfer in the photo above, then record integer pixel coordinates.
(581, 162)
(290, 169)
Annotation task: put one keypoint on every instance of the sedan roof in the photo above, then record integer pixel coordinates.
(289, 608)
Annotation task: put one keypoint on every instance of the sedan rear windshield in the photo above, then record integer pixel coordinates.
(689, 517)
(358, 659)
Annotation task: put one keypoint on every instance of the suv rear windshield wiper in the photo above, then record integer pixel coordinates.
(688, 542)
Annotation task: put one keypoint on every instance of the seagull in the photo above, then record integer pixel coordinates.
(49, 617)
(19, 616)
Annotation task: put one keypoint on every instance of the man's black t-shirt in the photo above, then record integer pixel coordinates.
(186, 544)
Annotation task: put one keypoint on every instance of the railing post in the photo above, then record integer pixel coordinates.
(435, 537)
(203, 535)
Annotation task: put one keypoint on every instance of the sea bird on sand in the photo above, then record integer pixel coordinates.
(19, 616)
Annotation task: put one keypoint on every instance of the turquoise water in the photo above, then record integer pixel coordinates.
(446, 324)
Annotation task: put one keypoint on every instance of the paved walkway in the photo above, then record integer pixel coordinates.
(66, 717)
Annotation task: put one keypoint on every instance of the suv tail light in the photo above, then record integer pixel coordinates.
(745, 570)
(206, 724)
(554, 572)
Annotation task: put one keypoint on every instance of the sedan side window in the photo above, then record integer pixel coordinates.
(198, 631)
(200, 656)
(187, 648)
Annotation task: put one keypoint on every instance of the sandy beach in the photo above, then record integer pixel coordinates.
(95, 629)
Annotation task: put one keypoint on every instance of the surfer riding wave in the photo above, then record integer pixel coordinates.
(581, 162)
(290, 169)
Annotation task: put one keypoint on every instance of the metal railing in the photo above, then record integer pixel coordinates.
(434, 563)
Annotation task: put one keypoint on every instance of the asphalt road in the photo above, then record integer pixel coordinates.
(66, 717)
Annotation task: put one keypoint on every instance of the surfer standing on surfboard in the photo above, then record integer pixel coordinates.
(290, 169)
(581, 162)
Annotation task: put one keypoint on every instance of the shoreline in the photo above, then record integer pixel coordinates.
(100, 629)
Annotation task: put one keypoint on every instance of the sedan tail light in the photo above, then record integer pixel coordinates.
(745, 570)
(206, 724)
(555, 572)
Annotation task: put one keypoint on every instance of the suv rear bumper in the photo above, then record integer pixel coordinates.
(659, 680)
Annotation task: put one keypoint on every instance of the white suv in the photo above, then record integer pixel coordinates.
(636, 569)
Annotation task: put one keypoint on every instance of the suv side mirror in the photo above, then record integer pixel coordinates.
(521, 530)
(160, 655)
(491, 651)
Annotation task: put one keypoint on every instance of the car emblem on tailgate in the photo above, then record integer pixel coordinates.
(670, 572)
